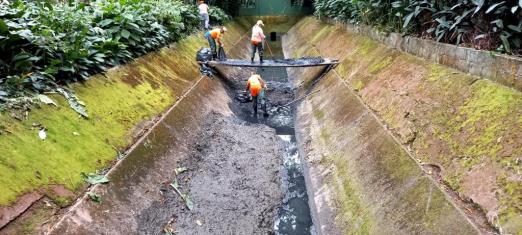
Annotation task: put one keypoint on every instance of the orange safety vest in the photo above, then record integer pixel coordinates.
(215, 33)
(254, 85)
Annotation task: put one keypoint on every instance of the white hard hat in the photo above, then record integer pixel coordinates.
(260, 22)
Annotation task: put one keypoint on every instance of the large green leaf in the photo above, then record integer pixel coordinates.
(125, 34)
(492, 7)
(93, 178)
(4, 29)
(407, 20)
(105, 22)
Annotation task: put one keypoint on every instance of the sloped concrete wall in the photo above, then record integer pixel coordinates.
(504, 69)
(123, 104)
(464, 129)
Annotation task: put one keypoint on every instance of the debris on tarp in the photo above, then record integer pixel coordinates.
(74, 102)
(94, 197)
(42, 134)
(301, 61)
(198, 222)
(45, 99)
(93, 178)
(180, 170)
(294, 62)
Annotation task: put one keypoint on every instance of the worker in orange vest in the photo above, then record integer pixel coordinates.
(258, 37)
(213, 37)
(256, 85)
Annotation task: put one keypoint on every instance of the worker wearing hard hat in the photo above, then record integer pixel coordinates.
(256, 85)
(213, 37)
(257, 40)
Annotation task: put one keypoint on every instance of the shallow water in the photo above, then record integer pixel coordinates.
(294, 215)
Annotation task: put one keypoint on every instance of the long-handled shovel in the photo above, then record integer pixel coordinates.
(269, 49)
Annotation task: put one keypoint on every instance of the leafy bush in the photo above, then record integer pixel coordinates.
(231, 7)
(483, 24)
(45, 45)
(218, 16)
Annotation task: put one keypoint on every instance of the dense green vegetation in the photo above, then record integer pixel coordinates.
(44, 45)
(483, 24)
(229, 6)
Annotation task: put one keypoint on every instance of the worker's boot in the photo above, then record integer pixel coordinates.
(214, 56)
(252, 60)
(261, 59)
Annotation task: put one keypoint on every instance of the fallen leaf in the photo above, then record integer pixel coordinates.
(188, 202)
(45, 99)
(74, 102)
(93, 178)
(94, 197)
(121, 155)
(180, 170)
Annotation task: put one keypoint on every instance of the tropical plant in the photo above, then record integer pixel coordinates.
(44, 45)
(483, 24)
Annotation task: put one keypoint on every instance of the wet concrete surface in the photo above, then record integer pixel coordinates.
(293, 216)
(233, 176)
(244, 174)
(233, 180)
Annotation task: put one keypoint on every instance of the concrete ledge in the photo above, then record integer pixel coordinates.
(501, 68)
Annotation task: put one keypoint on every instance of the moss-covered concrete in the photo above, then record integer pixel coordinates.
(118, 103)
(462, 124)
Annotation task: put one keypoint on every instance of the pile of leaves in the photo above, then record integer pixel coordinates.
(47, 44)
(482, 24)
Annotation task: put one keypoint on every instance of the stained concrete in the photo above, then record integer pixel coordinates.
(232, 179)
(450, 122)
(501, 68)
(360, 179)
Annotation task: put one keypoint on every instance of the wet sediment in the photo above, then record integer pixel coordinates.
(233, 180)
(294, 213)
(233, 176)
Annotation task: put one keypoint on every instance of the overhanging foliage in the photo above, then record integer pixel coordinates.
(43, 45)
(483, 24)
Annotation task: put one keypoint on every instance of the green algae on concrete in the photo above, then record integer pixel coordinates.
(117, 103)
(456, 121)
(354, 213)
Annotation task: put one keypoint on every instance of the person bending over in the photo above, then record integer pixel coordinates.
(256, 85)
(214, 37)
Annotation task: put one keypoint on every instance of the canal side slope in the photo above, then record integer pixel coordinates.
(42, 176)
(379, 108)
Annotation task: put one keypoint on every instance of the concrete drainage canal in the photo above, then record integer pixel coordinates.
(210, 167)
(293, 216)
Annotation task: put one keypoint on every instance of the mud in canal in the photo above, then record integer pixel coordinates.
(233, 179)
(210, 168)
